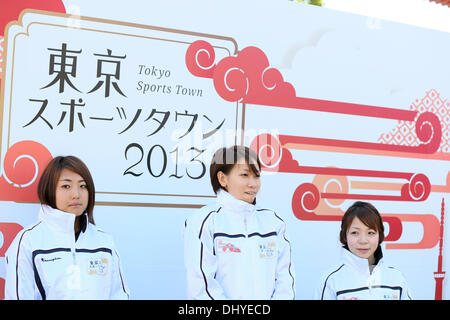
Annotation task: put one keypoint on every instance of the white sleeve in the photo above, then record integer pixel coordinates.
(20, 283)
(324, 289)
(119, 289)
(284, 277)
(200, 259)
(405, 292)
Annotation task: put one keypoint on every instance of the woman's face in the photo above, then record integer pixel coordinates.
(362, 240)
(72, 195)
(240, 182)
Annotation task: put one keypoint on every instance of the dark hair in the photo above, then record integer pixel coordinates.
(49, 179)
(225, 159)
(368, 215)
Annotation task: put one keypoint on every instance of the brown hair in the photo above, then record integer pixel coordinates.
(368, 215)
(225, 159)
(49, 179)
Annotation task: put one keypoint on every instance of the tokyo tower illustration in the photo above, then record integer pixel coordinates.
(439, 274)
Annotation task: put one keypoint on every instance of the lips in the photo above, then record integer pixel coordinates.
(75, 205)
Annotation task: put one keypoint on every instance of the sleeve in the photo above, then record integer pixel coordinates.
(119, 288)
(324, 290)
(405, 291)
(200, 260)
(20, 283)
(284, 277)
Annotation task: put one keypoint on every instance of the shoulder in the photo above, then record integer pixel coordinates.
(332, 272)
(203, 214)
(271, 215)
(392, 271)
(30, 231)
(25, 238)
(97, 234)
(328, 282)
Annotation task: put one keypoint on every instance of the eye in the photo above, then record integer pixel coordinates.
(84, 186)
(65, 186)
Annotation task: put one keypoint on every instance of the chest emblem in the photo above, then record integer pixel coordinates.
(98, 266)
(227, 247)
(267, 250)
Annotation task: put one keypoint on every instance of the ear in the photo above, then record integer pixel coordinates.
(222, 178)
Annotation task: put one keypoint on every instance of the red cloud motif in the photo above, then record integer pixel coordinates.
(11, 10)
(200, 58)
(248, 78)
(22, 167)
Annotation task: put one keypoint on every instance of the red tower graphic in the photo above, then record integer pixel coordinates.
(439, 274)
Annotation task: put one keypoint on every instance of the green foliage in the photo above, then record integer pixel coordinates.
(313, 2)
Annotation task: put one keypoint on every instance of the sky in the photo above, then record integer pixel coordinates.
(422, 13)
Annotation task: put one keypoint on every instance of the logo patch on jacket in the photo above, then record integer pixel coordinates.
(267, 250)
(50, 259)
(98, 266)
(227, 247)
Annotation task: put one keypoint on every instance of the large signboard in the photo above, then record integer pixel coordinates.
(339, 108)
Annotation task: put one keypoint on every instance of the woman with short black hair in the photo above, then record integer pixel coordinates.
(235, 249)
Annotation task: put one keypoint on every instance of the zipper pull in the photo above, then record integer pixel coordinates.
(245, 224)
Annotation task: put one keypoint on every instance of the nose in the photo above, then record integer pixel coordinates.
(363, 238)
(75, 192)
(253, 182)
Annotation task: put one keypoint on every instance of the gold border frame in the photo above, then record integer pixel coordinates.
(120, 23)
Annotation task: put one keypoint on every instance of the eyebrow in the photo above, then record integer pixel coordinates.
(358, 228)
(69, 180)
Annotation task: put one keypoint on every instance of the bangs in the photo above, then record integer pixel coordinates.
(255, 169)
(368, 218)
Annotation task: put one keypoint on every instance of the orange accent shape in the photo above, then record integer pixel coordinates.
(22, 168)
(333, 184)
(431, 228)
(445, 188)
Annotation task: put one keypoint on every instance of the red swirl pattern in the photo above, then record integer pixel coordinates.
(268, 149)
(429, 130)
(22, 167)
(305, 199)
(200, 58)
(418, 188)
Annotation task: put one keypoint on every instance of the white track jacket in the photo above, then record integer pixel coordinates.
(45, 262)
(236, 250)
(352, 280)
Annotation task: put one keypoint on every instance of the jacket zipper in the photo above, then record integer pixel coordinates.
(74, 257)
(245, 226)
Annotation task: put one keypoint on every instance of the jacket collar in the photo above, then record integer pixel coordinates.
(360, 264)
(229, 202)
(60, 220)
